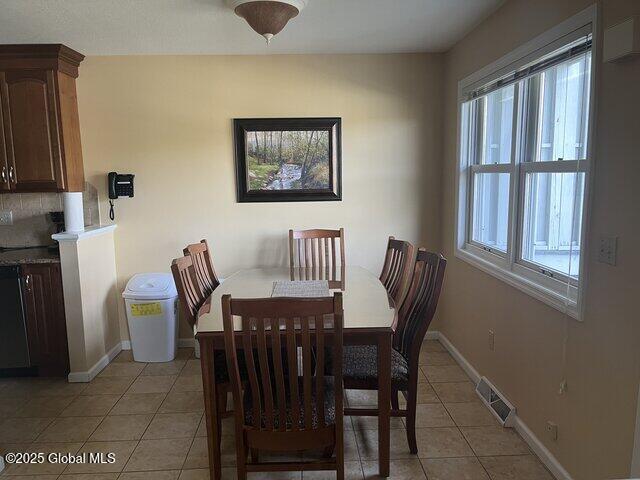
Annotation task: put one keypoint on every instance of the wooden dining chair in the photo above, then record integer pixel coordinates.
(316, 249)
(203, 266)
(414, 318)
(397, 269)
(287, 405)
(192, 297)
(194, 302)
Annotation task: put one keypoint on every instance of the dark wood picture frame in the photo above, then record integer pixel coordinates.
(333, 125)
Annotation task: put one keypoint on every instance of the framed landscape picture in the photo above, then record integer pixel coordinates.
(288, 159)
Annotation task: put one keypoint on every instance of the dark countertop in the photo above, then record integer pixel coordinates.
(26, 256)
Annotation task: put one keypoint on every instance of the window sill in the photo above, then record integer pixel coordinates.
(546, 295)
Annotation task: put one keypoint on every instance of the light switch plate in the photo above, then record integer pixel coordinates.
(6, 217)
(608, 250)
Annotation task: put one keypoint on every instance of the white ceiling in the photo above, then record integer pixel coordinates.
(111, 27)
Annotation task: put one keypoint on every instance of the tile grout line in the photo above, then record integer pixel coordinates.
(103, 418)
(107, 414)
(187, 455)
(455, 423)
(355, 439)
(152, 418)
(424, 470)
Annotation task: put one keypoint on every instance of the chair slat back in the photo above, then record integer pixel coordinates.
(319, 249)
(203, 266)
(190, 293)
(397, 269)
(420, 304)
(279, 338)
(335, 277)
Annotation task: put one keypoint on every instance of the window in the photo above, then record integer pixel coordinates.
(523, 173)
(491, 136)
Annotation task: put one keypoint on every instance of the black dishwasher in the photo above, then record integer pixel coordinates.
(14, 346)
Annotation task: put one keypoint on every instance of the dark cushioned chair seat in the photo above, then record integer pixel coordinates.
(329, 405)
(360, 362)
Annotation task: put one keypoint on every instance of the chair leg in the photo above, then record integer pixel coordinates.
(242, 472)
(395, 404)
(255, 455)
(340, 461)
(219, 432)
(241, 459)
(411, 420)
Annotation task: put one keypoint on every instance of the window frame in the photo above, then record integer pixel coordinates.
(559, 291)
(496, 168)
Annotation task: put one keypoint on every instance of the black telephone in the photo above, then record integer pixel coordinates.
(120, 185)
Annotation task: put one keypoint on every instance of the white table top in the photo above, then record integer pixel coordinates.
(365, 300)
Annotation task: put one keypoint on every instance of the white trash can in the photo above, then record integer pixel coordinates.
(151, 301)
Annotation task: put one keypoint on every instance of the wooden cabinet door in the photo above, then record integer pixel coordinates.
(4, 165)
(31, 130)
(46, 323)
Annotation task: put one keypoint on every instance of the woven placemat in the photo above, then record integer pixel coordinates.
(301, 288)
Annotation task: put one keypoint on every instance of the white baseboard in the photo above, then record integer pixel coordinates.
(462, 361)
(551, 462)
(186, 342)
(540, 450)
(432, 335)
(83, 377)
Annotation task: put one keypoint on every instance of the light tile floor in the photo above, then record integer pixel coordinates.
(151, 417)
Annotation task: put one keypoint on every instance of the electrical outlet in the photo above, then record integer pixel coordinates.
(608, 250)
(6, 217)
(492, 340)
(563, 386)
(552, 428)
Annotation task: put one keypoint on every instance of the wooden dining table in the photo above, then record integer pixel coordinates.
(369, 319)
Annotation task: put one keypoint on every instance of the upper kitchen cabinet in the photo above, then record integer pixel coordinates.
(40, 148)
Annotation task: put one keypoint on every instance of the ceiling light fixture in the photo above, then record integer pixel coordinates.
(267, 17)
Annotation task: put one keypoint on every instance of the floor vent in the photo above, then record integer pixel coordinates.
(499, 406)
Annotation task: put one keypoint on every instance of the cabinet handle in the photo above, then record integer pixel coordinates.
(27, 282)
(4, 174)
(11, 176)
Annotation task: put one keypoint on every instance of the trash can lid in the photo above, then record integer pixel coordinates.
(150, 286)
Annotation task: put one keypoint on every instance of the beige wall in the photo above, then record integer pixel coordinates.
(596, 416)
(96, 259)
(169, 121)
(90, 299)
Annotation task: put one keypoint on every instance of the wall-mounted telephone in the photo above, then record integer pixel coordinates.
(120, 185)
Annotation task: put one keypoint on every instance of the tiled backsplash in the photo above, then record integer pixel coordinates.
(31, 225)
